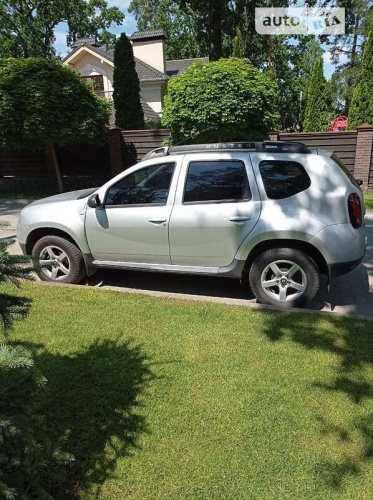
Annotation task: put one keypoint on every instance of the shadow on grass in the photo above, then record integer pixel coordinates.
(95, 394)
(353, 347)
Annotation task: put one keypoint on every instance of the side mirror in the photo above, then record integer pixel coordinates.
(94, 201)
(360, 182)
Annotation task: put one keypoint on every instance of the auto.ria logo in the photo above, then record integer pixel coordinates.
(299, 21)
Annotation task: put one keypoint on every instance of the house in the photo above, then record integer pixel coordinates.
(95, 61)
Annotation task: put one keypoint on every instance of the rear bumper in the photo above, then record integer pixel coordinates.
(343, 268)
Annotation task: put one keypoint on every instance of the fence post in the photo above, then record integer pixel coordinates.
(115, 150)
(274, 136)
(364, 146)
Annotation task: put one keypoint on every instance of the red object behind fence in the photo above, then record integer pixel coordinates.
(339, 124)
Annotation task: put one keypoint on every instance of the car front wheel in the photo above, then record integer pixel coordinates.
(58, 260)
(284, 277)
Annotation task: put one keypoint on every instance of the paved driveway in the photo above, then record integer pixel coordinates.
(350, 294)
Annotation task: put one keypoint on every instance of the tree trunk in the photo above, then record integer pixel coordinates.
(214, 29)
(56, 166)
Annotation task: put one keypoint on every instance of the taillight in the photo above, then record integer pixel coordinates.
(355, 211)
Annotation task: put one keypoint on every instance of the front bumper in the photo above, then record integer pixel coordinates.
(23, 247)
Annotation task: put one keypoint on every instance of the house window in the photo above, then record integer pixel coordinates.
(97, 83)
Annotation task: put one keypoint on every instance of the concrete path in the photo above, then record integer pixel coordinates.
(351, 294)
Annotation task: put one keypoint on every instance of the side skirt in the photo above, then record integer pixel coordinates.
(234, 270)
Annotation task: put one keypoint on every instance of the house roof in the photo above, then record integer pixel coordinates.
(145, 72)
(177, 66)
(149, 114)
(139, 36)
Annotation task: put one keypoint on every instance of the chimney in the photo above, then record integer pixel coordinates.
(149, 47)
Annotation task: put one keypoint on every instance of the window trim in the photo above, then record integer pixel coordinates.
(246, 187)
(142, 204)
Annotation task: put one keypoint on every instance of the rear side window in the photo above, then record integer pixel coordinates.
(216, 181)
(283, 179)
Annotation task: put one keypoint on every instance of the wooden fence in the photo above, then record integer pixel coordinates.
(342, 143)
(354, 148)
(82, 160)
(125, 148)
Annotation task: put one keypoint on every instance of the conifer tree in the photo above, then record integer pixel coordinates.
(128, 110)
(361, 110)
(319, 103)
(26, 450)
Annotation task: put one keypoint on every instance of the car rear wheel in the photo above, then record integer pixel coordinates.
(284, 277)
(58, 260)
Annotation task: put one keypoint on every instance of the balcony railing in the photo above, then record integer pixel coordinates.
(104, 93)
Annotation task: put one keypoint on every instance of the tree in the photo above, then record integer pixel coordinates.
(319, 102)
(184, 29)
(346, 50)
(27, 26)
(45, 104)
(128, 111)
(26, 450)
(362, 100)
(223, 100)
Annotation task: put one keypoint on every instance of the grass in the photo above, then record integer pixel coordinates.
(175, 399)
(368, 198)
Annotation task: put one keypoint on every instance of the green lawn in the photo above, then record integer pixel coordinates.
(170, 399)
(368, 198)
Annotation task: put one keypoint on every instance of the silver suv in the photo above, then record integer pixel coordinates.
(273, 214)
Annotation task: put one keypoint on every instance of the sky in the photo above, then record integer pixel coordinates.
(129, 26)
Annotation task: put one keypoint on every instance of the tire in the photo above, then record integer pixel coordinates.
(284, 277)
(69, 266)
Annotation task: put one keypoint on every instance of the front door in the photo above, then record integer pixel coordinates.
(216, 207)
(132, 225)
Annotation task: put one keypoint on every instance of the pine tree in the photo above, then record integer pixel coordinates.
(128, 110)
(361, 110)
(26, 450)
(319, 103)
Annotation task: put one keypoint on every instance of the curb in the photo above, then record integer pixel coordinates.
(216, 300)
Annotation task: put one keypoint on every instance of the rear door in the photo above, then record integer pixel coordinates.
(217, 205)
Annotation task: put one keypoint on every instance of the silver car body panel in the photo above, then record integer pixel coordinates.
(132, 233)
(205, 238)
(65, 212)
(205, 234)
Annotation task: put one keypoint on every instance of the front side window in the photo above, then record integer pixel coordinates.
(216, 181)
(283, 179)
(148, 186)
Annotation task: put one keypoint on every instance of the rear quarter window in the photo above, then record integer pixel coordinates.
(283, 179)
(345, 170)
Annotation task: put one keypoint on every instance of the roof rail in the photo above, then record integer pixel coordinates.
(259, 147)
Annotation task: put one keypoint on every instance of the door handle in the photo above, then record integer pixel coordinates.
(239, 218)
(157, 221)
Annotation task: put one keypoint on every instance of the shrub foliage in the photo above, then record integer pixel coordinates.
(43, 102)
(224, 100)
(26, 449)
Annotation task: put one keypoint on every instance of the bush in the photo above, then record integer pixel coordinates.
(220, 101)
